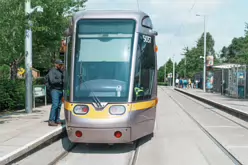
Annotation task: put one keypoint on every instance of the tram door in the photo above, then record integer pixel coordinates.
(145, 70)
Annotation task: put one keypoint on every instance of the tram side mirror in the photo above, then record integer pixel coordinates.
(154, 33)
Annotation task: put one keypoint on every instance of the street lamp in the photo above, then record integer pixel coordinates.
(28, 55)
(204, 61)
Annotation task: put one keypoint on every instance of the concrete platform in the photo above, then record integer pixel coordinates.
(21, 132)
(230, 104)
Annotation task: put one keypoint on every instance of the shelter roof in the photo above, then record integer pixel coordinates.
(228, 66)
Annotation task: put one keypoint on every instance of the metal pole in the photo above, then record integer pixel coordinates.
(174, 71)
(204, 65)
(137, 4)
(185, 63)
(165, 73)
(245, 78)
(28, 59)
(222, 80)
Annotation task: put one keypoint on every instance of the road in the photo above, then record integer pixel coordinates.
(186, 132)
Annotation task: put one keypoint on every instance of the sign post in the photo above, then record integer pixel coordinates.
(39, 91)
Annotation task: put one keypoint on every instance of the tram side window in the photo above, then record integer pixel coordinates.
(68, 70)
(145, 68)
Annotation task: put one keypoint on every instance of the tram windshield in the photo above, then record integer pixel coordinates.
(103, 60)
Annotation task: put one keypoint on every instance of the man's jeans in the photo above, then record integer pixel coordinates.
(56, 105)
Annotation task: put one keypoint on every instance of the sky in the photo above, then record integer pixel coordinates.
(177, 23)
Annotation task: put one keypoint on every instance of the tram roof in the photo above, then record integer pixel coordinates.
(138, 15)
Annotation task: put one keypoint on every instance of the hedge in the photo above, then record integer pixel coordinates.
(13, 93)
(163, 83)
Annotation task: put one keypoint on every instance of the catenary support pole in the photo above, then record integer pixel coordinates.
(28, 59)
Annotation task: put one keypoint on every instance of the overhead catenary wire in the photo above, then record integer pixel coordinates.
(182, 24)
(138, 5)
(175, 34)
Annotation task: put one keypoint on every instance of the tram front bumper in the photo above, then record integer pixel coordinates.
(99, 135)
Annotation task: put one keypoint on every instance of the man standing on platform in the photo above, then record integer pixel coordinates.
(55, 79)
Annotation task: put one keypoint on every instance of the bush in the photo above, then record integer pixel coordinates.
(13, 93)
(163, 83)
(4, 72)
(39, 81)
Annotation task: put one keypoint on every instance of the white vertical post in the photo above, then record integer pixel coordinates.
(165, 72)
(245, 78)
(173, 71)
(28, 59)
(185, 63)
(204, 65)
(222, 80)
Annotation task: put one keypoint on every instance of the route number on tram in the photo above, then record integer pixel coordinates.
(147, 39)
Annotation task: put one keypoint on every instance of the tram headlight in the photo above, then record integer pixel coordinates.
(81, 109)
(117, 110)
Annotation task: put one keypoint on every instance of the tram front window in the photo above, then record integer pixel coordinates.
(103, 60)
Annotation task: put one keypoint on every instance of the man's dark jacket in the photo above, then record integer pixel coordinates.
(56, 77)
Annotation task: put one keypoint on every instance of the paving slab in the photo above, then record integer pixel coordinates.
(21, 132)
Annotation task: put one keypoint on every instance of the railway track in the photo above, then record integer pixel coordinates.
(175, 98)
(93, 153)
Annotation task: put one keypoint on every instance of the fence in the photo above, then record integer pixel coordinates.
(217, 87)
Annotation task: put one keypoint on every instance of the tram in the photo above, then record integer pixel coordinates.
(110, 77)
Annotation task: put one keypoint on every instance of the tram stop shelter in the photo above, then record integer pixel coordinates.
(235, 81)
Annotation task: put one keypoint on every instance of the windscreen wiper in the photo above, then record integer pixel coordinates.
(95, 98)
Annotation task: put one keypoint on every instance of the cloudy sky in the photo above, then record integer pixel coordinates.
(178, 26)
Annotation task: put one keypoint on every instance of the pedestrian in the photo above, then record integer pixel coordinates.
(177, 82)
(181, 83)
(189, 83)
(196, 83)
(55, 79)
(185, 83)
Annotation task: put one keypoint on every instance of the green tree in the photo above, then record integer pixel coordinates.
(161, 71)
(180, 68)
(237, 51)
(209, 44)
(169, 67)
(194, 62)
(52, 23)
(161, 74)
(47, 29)
(12, 24)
